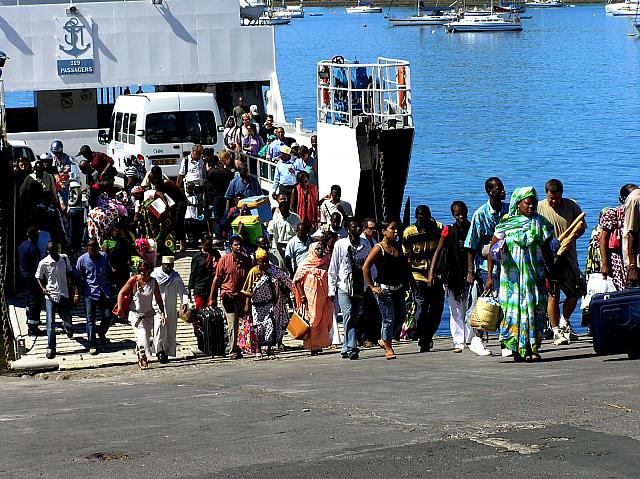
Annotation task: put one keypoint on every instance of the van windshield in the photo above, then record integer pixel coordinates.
(181, 127)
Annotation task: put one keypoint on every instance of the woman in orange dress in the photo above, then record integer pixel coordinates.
(311, 283)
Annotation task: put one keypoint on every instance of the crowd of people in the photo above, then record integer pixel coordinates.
(385, 280)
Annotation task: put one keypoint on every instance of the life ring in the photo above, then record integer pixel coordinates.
(402, 81)
(325, 85)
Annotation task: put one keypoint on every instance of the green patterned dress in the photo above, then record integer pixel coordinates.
(522, 294)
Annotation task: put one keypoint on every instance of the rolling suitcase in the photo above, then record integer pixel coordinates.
(615, 322)
(210, 331)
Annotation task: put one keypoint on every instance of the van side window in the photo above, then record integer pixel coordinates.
(125, 127)
(162, 128)
(132, 128)
(199, 127)
(118, 126)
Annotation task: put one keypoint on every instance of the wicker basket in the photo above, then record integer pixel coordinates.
(486, 314)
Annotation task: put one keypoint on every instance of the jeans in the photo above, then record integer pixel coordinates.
(369, 323)
(63, 308)
(393, 309)
(352, 309)
(92, 306)
(429, 306)
(34, 303)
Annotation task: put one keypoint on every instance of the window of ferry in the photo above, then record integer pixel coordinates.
(199, 127)
(118, 127)
(125, 127)
(132, 128)
(162, 128)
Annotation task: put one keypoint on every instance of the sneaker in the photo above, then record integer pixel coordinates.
(93, 351)
(36, 331)
(457, 350)
(506, 353)
(69, 333)
(353, 355)
(344, 355)
(51, 353)
(477, 346)
(559, 338)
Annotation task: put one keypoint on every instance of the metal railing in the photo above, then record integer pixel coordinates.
(264, 170)
(380, 91)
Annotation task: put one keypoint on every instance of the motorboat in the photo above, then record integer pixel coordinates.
(545, 4)
(363, 7)
(485, 23)
(510, 7)
(620, 9)
(273, 16)
(425, 17)
(289, 11)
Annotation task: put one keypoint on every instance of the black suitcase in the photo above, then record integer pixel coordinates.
(210, 331)
(76, 227)
(615, 322)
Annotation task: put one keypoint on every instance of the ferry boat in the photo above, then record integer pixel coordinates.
(77, 59)
(363, 7)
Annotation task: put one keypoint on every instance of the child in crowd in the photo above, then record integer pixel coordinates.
(193, 218)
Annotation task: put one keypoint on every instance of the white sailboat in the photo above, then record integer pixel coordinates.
(363, 7)
(425, 17)
(545, 4)
(289, 11)
(271, 18)
(627, 8)
(506, 22)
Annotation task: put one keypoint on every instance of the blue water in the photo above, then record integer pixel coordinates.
(559, 99)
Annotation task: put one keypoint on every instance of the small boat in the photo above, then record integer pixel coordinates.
(545, 4)
(316, 14)
(622, 9)
(485, 23)
(273, 17)
(425, 17)
(363, 7)
(510, 7)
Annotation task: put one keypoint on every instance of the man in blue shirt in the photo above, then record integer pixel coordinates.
(29, 257)
(483, 225)
(285, 179)
(93, 269)
(275, 147)
(242, 183)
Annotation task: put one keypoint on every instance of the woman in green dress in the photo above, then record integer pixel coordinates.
(524, 247)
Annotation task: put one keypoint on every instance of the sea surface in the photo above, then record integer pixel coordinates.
(558, 100)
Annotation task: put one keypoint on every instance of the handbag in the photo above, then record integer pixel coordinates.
(126, 301)
(188, 313)
(298, 326)
(354, 282)
(615, 240)
(486, 314)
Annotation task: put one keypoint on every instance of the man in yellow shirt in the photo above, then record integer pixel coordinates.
(420, 242)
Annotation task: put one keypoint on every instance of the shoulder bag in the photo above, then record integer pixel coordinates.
(126, 301)
(298, 326)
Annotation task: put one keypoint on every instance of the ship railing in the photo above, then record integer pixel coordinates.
(347, 92)
(264, 170)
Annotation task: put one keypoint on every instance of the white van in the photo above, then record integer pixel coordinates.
(162, 127)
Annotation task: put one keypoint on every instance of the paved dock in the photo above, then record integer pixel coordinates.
(437, 414)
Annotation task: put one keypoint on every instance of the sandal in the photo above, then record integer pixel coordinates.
(142, 359)
(535, 358)
(390, 354)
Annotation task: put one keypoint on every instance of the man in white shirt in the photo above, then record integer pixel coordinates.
(335, 226)
(53, 277)
(192, 168)
(346, 283)
(332, 204)
(282, 228)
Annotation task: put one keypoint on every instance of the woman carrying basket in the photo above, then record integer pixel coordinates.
(525, 239)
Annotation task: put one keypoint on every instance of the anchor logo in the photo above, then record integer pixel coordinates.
(74, 38)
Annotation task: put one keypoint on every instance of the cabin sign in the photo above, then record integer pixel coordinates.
(74, 36)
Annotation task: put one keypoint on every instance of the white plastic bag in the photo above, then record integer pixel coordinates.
(595, 285)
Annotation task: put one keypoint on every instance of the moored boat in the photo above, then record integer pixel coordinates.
(545, 4)
(485, 23)
(425, 17)
(363, 7)
(622, 9)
